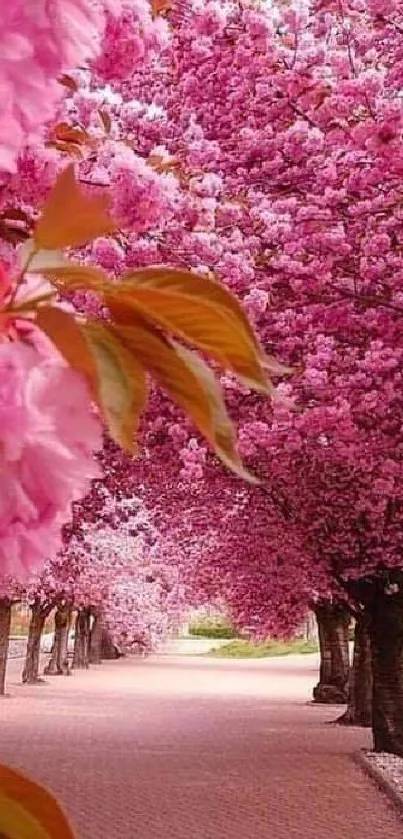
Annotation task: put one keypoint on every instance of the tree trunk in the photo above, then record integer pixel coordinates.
(59, 663)
(359, 710)
(81, 640)
(5, 622)
(30, 673)
(333, 626)
(108, 649)
(386, 634)
(96, 639)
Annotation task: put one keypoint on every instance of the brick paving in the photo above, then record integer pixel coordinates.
(176, 748)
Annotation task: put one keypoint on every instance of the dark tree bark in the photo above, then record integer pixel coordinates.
(82, 640)
(333, 626)
(5, 622)
(39, 613)
(385, 609)
(359, 709)
(108, 649)
(96, 634)
(59, 663)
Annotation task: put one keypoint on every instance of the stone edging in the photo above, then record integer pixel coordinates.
(380, 779)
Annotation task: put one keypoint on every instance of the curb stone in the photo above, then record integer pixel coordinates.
(380, 779)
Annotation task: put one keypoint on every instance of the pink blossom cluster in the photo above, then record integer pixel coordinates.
(297, 119)
(38, 42)
(50, 432)
(48, 437)
(141, 197)
(124, 568)
(130, 37)
(264, 146)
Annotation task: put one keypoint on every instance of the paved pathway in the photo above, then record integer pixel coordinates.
(194, 749)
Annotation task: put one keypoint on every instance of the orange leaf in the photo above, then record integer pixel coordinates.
(161, 7)
(116, 379)
(122, 388)
(72, 275)
(65, 148)
(192, 285)
(28, 810)
(190, 384)
(224, 433)
(161, 165)
(68, 81)
(67, 134)
(172, 279)
(70, 218)
(197, 318)
(68, 336)
(156, 355)
(106, 121)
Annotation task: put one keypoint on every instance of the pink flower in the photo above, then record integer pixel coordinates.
(48, 434)
(38, 41)
(142, 198)
(108, 254)
(129, 36)
(5, 284)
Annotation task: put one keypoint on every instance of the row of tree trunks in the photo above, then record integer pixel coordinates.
(377, 672)
(91, 644)
(333, 626)
(338, 682)
(375, 686)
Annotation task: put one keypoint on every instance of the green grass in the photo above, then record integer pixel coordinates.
(211, 628)
(247, 649)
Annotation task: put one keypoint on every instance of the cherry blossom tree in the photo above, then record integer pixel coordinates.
(64, 370)
(293, 175)
(127, 573)
(263, 146)
(111, 339)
